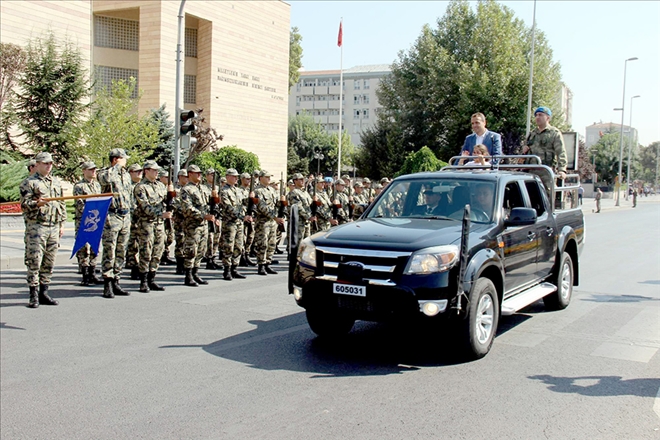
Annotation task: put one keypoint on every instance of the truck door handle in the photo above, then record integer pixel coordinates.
(531, 235)
(549, 230)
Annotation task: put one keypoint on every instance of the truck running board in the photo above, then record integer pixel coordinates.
(522, 300)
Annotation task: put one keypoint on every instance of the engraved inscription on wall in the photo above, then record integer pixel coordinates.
(247, 80)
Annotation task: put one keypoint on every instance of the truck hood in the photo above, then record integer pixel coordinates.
(401, 234)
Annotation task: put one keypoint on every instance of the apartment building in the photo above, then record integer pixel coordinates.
(317, 93)
(236, 58)
(595, 131)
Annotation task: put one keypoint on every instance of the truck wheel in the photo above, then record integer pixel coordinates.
(480, 326)
(562, 297)
(329, 325)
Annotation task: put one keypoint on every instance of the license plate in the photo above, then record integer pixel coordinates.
(348, 289)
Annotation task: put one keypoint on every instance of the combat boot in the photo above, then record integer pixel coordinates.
(249, 261)
(210, 264)
(165, 260)
(269, 270)
(85, 277)
(179, 266)
(243, 262)
(34, 297)
(196, 277)
(278, 251)
(261, 270)
(144, 288)
(236, 274)
(152, 284)
(135, 273)
(226, 274)
(92, 278)
(116, 288)
(107, 288)
(44, 298)
(189, 279)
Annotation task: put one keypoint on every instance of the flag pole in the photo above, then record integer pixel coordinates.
(340, 42)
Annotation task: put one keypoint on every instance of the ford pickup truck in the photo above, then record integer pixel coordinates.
(464, 246)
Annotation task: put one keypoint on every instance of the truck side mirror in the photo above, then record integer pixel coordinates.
(520, 217)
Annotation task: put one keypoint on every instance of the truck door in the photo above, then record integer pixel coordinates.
(545, 229)
(520, 243)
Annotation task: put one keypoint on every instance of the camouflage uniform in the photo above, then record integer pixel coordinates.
(43, 225)
(303, 200)
(342, 213)
(323, 212)
(214, 234)
(116, 231)
(248, 227)
(86, 257)
(194, 206)
(548, 144)
(177, 223)
(150, 206)
(132, 247)
(265, 227)
(234, 204)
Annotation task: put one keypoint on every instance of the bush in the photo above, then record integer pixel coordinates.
(228, 157)
(12, 174)
(422, 160)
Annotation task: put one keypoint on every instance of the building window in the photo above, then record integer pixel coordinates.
(356, 84)
(365, 99)
(105, 75)
(190, 89)
(335, 81)
(366, 84)
(356, 99)
(365, 113)
(116, 33)
(356, 114)
(309, 83)
(191, 43)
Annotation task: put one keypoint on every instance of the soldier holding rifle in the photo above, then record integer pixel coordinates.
(268, 217)
(247, 186)
(135, 171)
(177, 221)
(212, 188)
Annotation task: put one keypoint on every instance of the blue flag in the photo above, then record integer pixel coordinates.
(91, 224)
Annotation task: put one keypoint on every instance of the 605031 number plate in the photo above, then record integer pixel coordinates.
(348, 289)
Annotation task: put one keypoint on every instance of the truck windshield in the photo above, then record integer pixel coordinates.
(442, 199)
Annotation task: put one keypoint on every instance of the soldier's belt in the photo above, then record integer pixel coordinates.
(119, 211)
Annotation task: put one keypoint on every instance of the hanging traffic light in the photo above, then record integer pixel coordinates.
(187, 122)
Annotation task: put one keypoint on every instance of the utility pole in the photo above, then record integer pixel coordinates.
(178, 99)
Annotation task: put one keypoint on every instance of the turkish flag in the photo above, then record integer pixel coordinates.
(341, 35)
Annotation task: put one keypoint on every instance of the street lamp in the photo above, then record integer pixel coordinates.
(623, 103)
(630, 146)
(318, 156)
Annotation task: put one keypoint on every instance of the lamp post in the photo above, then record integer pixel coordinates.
(623, 103)
(630, 147)
(318, 156)
(531, 76)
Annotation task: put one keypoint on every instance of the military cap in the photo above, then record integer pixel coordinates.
(340, 182)
(384, 180)
(297, 176)
(151, 165)
(378, 186)
(320, 180)
(89, 165)
(264, 173)
(231, 172)
(43, 157)
(346, 177)
(210, 171)
(31, 163)
(358, 185)
(223, 179)
(134, 167)
(193, 169)
(256, 173)
(545, 110)
(245, 175)
(118, 152)
(289, 182)
(182, 173)
(366, 180)
(162, 173)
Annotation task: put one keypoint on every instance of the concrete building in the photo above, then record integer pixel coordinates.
(317, 93)
(595, 131)
(565, 100)
(236, 58)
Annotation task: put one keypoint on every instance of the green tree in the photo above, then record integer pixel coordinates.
(648, 162)
(228, 157)
(605, 152)
(422, 160)
(12, 65)
(165, 148)
(380, 154)
(586, 169)
(474, 60)
(50, 102)
(115, 123)
(295, 56)
(12, 173)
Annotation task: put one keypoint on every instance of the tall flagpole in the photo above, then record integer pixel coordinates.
(340, 43)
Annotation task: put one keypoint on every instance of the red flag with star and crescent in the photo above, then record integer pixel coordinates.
(341, 35)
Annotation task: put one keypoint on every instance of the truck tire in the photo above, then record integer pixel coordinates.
(329, 325)
(480, 325)
(564, 282)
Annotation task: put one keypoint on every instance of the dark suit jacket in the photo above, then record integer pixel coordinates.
(492, 141)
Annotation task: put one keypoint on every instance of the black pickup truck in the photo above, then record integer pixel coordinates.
(463, 245)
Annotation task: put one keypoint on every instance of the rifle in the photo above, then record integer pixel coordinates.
(169, 200)
(335, 206)
(251, 200)
(283, 203)
(351, 205)
(315, 203)
(213, 203)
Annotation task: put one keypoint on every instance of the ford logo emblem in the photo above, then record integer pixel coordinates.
(355, 264)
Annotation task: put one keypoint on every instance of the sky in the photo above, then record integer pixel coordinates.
(591, 40)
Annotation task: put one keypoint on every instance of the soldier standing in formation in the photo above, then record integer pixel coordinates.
(169, 230)
(266, 223)
(234, 203)
(150, 195)
(44, 228)
(177, 221)
(359, 200)
(135, 171)
(342, 202)
(300, 198)
(248, 226)
(195, 208)
(116, 179)
(86, 257)
(213, 244)
(323, 207)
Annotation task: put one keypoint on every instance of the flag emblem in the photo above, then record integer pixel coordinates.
(91, 222)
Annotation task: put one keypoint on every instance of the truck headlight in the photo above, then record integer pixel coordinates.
(307, 252)
(432, 260)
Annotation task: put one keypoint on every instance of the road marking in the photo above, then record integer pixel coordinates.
(656, 405)
(626, 352)
(643, 327)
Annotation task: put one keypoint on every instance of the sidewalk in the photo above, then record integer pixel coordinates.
(589, 204)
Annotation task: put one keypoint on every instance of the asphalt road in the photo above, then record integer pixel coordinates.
(237, 360)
